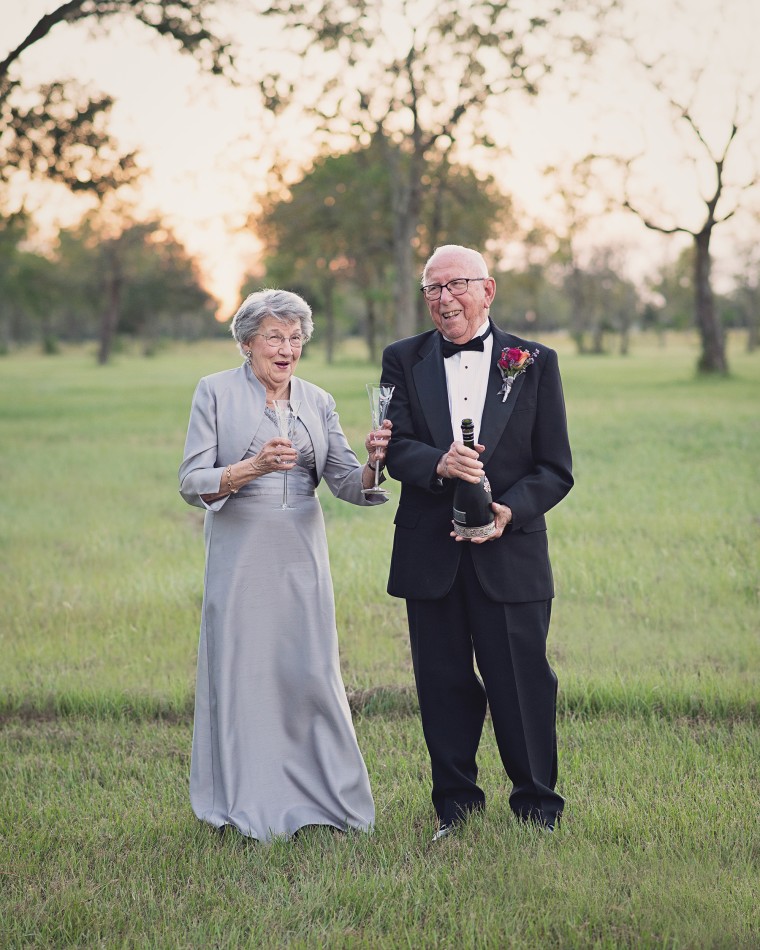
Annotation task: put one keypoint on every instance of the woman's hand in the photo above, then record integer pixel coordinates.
(276, 455)
(376, 443)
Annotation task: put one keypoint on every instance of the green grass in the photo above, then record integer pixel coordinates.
(101, 847)
(654, 637)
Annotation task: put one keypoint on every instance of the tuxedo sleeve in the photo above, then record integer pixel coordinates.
(409, 460)
(550, 477)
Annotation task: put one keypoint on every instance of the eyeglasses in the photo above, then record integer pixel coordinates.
(276, 340)
(456, 287)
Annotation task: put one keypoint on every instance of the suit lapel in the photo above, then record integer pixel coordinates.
(496, 412)
(430, 381)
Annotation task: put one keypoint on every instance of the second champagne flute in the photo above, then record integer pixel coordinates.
(379, 397)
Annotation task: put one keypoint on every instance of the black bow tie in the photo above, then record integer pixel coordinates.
(476, 343)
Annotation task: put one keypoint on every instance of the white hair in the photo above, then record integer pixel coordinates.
(474, 258)
(285, 306)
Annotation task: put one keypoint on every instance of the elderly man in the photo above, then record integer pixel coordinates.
(484, 599)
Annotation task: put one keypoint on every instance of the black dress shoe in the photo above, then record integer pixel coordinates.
(445, 830)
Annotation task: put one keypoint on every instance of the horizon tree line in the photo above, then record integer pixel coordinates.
(395, 188)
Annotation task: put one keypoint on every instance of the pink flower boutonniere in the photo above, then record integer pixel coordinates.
(512, 362)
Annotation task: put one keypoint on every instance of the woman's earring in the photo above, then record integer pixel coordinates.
(248, 357)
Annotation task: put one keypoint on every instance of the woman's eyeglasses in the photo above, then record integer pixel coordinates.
(275, 340)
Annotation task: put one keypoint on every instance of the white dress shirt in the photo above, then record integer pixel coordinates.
(467, 381)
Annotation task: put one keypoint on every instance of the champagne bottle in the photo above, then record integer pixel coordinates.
(473, 515)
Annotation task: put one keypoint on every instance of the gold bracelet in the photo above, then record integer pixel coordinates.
(228, 475)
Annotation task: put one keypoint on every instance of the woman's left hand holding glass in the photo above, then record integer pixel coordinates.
(376, 443)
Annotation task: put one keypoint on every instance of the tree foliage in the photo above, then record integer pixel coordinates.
(185, 21)
(700, 84)
(713, 357)
(335, 230)
(61, 134)
(137, 280)
(141, 278)
(416, 78)
(59, 131)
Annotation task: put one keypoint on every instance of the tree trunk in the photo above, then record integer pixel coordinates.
(110, 319)
(625, 339)
(713, 356)
(6, 336)
(597, 339)
(403, 290)
(370, 329)
(753, 323)
(407, 204)
(329, 296)
(579, 338)
(577, 310)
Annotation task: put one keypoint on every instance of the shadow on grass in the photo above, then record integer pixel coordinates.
(578, 701)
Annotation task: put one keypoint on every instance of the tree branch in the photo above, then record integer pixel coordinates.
(183, 20)
(655, 227)
(40, 30)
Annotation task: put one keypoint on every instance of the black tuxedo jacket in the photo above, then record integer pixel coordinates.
(527, 460)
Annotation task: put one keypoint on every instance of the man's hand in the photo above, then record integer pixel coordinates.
(502, 517)
(461, 462)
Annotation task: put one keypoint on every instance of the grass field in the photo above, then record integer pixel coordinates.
(654, 637)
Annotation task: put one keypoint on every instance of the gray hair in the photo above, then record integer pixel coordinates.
(285, 306)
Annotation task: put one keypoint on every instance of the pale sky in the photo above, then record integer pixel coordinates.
(208, 144)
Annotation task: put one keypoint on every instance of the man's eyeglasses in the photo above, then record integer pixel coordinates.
(276, 340)
(456, 287)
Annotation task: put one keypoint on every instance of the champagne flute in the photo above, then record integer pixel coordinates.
(287, 413)
(379, 397)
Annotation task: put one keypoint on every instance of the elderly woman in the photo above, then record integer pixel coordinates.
(274, 748)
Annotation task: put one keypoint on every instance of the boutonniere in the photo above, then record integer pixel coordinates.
(512, 362)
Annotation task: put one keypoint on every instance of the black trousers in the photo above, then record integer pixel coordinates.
(518, 685)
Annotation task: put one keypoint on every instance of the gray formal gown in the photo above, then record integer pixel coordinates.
(274, 746)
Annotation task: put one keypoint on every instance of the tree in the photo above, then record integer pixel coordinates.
(701, 124)
(528, 300)
(186, 21)
(58, 131)
(63, 137)
(415, 78)
(333, 232)
(131, 277)
(577, 206)
(713, 357)
(329, 228)
(746, 293)
(612, 300)
(673, 289)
